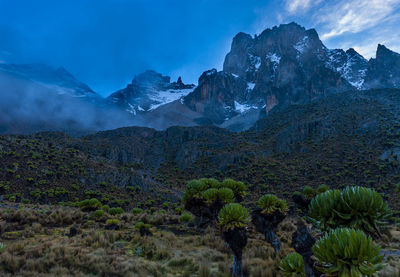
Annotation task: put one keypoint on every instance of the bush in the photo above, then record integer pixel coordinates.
(309, 192)
(141, 224)
(98, 214)
(112, 221)
(354, 207)
(270, 203)
(106, 208)
(115, 211)
(347, 252)
(322, 188)
(233, 215)
(136, 211)
(292, 265)
(89, 204)
(185, 217)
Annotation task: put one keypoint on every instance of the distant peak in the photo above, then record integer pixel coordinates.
(383, 51)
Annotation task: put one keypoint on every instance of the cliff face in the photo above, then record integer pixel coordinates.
(384, 70)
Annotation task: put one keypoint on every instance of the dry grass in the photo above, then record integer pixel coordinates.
(37, 244)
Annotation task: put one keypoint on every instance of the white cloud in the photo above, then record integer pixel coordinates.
(355, 16)
(295, 6)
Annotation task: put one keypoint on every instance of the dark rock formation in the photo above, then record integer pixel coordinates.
(302, 242)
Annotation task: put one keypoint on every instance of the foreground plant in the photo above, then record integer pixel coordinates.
(269, 213)
(292, 266)
(233, 219)
(347, 252)
(354, 207)
(205, 197)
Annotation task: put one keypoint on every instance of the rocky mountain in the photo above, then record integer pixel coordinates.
(282, 66)
(57, 79)
(384, 70)
(149, 90)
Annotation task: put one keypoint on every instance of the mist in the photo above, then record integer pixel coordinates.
(27, 107)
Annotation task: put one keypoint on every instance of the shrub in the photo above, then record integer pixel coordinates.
(210, 183)
(112, 221)
(233, 215)
(89, 204)
(309, 192)
(136, 211)
(115, 211)
(98, 214)
(270, 203)
(210, 195)
(106, 208)
(185, 217)
(322, 188)
(141, 224)
(292, 265)
(347, 252)
(354, 207)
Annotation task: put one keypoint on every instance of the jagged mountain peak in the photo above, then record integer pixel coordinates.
(148, 91)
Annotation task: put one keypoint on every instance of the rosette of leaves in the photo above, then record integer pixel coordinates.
(347, 252)
(292, 266)
(321, 210)
(224, 195)
(233, 215)
(269, 203)
(354, 207)
(363, 208)
(194, 189)
(239, 188)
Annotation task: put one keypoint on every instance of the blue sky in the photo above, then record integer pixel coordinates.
(105, 43)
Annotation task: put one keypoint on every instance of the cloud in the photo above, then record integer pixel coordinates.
(295, 6)
(355, 16)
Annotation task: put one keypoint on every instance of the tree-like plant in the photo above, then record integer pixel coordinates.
(269, 213)
(354, 207)
(239, 188)
(89, 204)
(292, 265)
(232, 220)
(269, 203)
(205, 197)
(347, 252)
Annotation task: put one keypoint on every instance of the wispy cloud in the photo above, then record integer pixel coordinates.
(296, 6)
(355, 16)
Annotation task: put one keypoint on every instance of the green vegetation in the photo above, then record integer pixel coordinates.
(185, 217)
(292, 266)
(233, 215)
(112, 221)
(347, 252)
(309, 192)
(354, 207)
(270, 203)
(115, 211)
(89, 204)
(136, 211)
